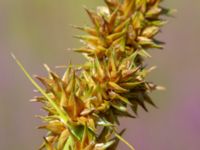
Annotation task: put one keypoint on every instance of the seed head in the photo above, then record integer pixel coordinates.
(85, 104)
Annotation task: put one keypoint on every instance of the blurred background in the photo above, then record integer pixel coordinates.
(39, 31)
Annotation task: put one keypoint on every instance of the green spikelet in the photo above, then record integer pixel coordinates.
(85, 104)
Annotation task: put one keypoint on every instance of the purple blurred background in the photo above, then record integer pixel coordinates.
(38, 32)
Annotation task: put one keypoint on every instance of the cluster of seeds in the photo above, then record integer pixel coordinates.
(84, 105)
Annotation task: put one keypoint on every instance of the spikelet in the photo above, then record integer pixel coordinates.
(85, 104)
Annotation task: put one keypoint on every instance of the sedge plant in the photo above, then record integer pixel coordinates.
(84, 105)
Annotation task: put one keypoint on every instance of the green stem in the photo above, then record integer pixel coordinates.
(124, 141)
(63, 116)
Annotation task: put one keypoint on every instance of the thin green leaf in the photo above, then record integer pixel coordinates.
(124, 141)
(63, 115)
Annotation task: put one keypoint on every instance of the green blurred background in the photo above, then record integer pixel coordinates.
(39, 31)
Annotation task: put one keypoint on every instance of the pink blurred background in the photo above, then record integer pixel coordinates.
(39, 31)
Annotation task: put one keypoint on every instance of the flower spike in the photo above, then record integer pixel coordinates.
(84, 105)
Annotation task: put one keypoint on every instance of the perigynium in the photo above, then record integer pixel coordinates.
(85, 104)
